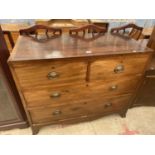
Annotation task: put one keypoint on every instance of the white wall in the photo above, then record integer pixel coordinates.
(113, 22)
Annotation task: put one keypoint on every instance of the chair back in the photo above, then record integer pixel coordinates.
(104, 25)
(88, 32)
(46, 32)
(151, 42)
(135, 32)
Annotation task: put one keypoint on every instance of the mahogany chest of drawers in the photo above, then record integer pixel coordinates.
(67, 80)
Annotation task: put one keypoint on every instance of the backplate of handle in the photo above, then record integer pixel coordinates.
(108, 105)
(119, 68)
(55, 95)
(52, 75)
(113, 87)
(57, 112)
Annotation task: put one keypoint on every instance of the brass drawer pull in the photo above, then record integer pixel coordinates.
(52, 75)
(108, 105)
(152, 68)
(119, 69)
(55, 95)
(114, 87)
(57, 112)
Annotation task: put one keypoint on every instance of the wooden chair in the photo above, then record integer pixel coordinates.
(151, 42)
(45, 31)
(11, 33)
(102, 24)
(83, 32)
(10, 38)
(135, 32)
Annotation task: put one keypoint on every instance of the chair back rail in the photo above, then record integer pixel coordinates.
(135, 32)
(49, 32)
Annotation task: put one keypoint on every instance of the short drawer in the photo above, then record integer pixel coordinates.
(55, 96)
(89, 107)
(111, 68)
(42, 74)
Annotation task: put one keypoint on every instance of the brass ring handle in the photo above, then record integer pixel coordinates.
(152, 68)
(119, 69)
(108, 105)
(57, 112)
(113, 87)
(52, 75)
(55, 95)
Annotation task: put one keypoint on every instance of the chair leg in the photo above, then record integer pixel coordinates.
(10, 38)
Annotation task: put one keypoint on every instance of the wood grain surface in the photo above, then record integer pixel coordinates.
(69, 47)
(48, 114)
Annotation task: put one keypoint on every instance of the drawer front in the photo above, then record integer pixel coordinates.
(117, 86)
(112, 68)
(34, 75)
(69, 94)
(55, 96)
(100, 106)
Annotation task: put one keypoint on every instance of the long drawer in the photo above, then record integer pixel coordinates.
(41, 74)
(69, 94)
(90, 107)
(111, 68)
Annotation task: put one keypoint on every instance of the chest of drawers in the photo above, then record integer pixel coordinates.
(61, 82)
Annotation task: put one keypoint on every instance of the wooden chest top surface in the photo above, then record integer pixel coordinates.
(68, 47)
